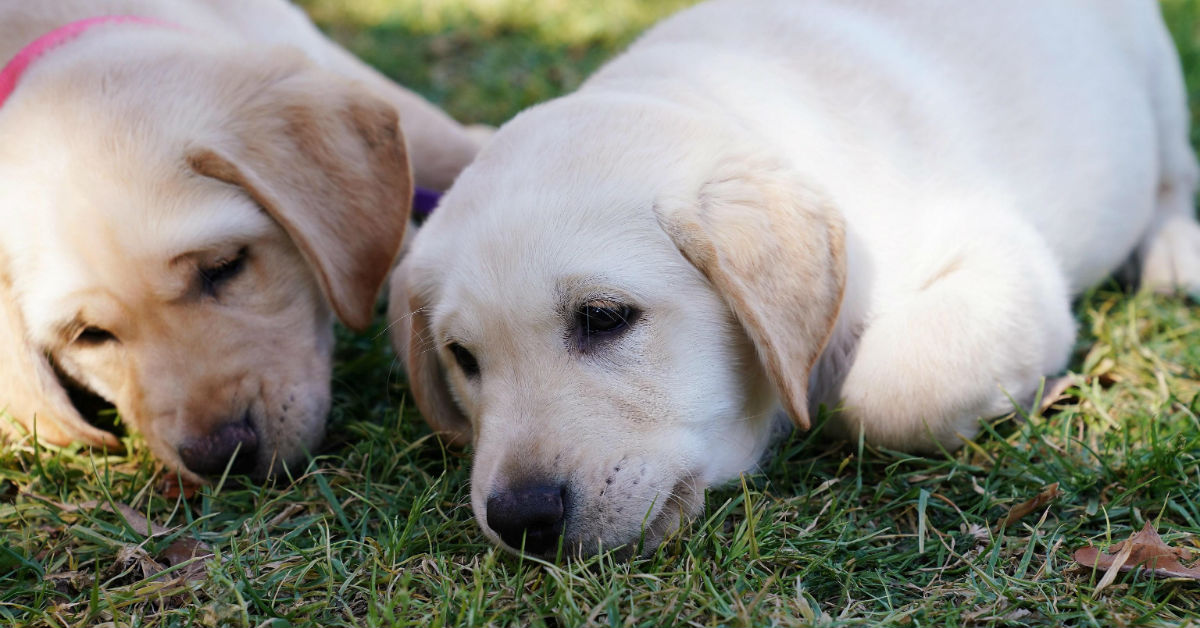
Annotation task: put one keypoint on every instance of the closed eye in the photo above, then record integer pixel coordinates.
(212, 278)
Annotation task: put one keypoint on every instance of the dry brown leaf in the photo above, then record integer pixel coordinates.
(1145, 549)
(136, 556)
(1118, 562)
(134, 518)
(152, 567)
(1055, 391)
(179, 551)
(1024, 508)
(185, 549)
(287, 513)
(174, 486)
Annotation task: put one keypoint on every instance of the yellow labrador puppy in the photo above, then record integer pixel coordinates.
(189, 192)
(880, 206)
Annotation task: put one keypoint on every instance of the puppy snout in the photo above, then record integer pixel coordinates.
(528, 517)
(210, 454)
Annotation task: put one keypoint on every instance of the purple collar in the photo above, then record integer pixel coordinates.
(425, 201)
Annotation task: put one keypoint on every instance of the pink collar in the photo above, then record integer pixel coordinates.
(12, 72)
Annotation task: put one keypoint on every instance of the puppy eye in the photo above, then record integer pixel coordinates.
(604, 317)
(222, 272)
(94, 336)
(465, 360)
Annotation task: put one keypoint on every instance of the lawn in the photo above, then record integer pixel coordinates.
(377, 530)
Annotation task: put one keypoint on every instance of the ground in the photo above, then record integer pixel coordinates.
(377, 530)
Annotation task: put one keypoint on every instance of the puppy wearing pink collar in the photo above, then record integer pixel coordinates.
(190, 193)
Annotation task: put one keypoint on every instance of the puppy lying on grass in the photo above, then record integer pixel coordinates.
(189, 192)
(883, 207)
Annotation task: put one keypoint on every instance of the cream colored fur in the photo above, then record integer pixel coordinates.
(136, 157)
(907, 192)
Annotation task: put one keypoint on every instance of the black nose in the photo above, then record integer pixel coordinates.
(210, 454)
(529, 517)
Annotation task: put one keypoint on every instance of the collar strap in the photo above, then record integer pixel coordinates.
(15, 69)
(425, 201)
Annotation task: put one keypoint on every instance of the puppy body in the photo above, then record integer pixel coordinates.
(186, 207)
(883, 207)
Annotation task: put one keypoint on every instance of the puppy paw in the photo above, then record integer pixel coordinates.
(1171, 257)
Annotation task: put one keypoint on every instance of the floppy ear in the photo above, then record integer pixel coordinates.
(413, 342)
(29, 389)
(774, 250)
(327, 161)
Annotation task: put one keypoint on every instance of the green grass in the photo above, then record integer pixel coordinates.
(377, 530)
(485, 60)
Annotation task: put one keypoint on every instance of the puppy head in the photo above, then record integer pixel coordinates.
(610, 304)
(185, 228)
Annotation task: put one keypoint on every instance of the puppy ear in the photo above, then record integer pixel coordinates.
(412, 340)
(774, 250)
(30, 391)
(327, 161)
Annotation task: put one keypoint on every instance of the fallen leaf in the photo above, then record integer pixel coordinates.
(183, 550)
(1055, 390)
(1117, 563)
(1145, 549)
(179, 551)
(1024, 508)
(174, 486)
(135, 555)
(135, 519)
(287, 513)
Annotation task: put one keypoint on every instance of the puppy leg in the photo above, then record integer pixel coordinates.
(975, 334)
(1169, 255)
